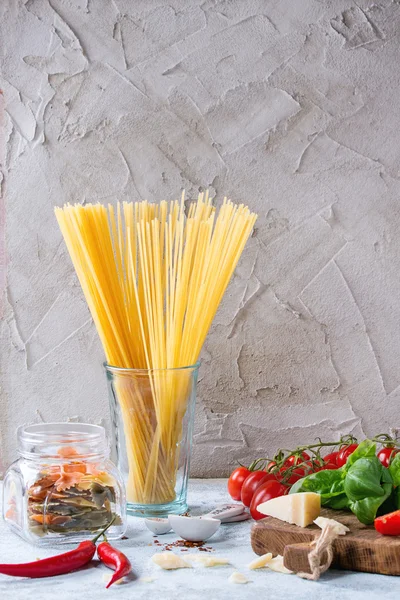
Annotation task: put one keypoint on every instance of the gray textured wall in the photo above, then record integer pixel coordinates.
(289, 105)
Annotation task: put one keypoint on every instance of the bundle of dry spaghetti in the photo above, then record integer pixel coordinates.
(153, 278)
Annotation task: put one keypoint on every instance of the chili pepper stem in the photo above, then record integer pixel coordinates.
(94, 540)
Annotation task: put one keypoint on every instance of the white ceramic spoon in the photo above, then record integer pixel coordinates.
(242, 517)
(225, 511)
(158, 526)
(194, 529)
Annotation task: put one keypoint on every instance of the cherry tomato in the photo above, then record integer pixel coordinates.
(270, 466)
(328, 467)
(304, 469)
(236, 481)
(293, 460)
(344, 453)
(386, 455)
(314, 466)
(250, 485)
(266, 491)
(267, 477)
(388, 524)
(331, 457)
(295, 475)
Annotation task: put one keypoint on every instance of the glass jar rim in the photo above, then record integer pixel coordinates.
(113, 368)
(43, 438)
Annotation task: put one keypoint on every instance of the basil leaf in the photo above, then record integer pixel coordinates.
(367, 485)
(366, 509)
(362, 485)
(394, 470)
(327, 483)
(365, 449)
(363, 479)
(338, 502)
(386, 476)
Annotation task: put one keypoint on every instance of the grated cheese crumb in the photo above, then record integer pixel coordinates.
(261, 561)
(276, 564)
(237, 577)
(207, 561)
(168, 561)
(338, 528)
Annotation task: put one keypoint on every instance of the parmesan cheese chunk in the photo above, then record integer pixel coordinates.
(276, 564)
(207, 561)
(237, 577)
(261, 561)
(301, 508)
(168, 560)
(337, 527)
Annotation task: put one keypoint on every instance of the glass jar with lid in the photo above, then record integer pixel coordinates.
(63, 487)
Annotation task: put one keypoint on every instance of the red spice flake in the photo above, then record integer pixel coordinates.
(187, 544)
(184, 545)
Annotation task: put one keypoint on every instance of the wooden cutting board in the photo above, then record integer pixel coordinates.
(362, 549)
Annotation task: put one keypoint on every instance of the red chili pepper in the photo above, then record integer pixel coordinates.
(56, 565)
(114, 559)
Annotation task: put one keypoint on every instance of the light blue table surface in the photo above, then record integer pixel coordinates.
(230, 541)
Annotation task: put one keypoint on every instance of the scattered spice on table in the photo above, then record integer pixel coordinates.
(184, 544)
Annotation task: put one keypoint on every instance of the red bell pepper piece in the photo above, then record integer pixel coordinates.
(388, 524)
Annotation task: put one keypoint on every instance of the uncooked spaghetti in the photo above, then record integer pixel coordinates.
(153, 278)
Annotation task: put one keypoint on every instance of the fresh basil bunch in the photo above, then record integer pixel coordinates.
(362, 485)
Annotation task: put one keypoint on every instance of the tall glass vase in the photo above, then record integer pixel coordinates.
(152, 413)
